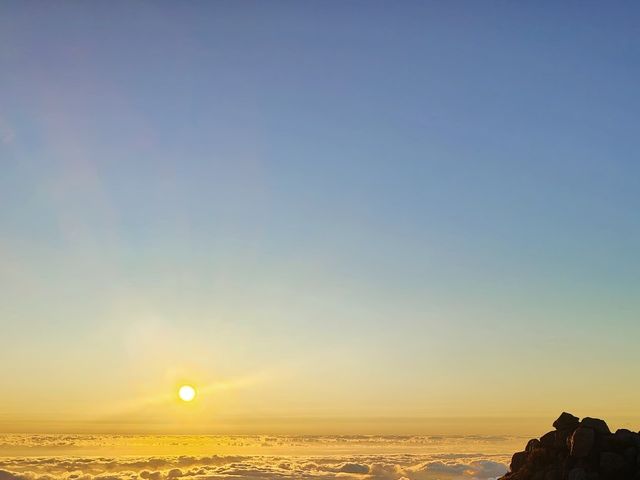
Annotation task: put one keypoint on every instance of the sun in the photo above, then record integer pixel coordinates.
(186, 393)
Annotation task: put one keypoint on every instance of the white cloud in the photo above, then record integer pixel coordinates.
(57, 457)
(362, 467)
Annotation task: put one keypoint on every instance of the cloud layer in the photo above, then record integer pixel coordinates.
(363, 467)
(356, 457)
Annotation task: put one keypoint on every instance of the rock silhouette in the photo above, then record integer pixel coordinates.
(579, 450)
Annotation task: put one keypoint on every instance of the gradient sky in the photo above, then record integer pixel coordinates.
(323, 211)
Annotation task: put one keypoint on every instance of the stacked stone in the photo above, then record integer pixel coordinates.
(579, 450)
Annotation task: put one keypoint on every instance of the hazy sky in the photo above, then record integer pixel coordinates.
(317, 210)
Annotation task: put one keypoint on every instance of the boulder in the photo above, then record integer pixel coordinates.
(624, 438)
(548, 440)
(539, 475)
(630, 455)
(531, 445)
(562, 438)
(518, 460)
(611, 463)
(585, 450)
(607, 443)
(553, 474)
(577, 473)
(582, 442)
(599, 426)
(566, 421)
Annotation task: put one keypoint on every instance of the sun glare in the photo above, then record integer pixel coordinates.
(186, 393)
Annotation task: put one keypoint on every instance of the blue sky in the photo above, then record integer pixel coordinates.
(416, 197)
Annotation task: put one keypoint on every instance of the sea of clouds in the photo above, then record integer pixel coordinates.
(434, 464)
(390, 467)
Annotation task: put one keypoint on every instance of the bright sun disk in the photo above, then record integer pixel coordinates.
(187, 393)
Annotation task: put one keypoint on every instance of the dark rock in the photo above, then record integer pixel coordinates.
(630, 455)
(541, 457)
(553, 474)
(539, 475)
(607, 443)
(611, 463)
(531, 444)
(624, 437)
(582, 442)
(518, 460)
(548, 440)
(579, 451)
(566, 421)
(599, 426)
(562, 438)
(577, 473)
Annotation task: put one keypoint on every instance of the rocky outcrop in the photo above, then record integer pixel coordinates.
(579, 450)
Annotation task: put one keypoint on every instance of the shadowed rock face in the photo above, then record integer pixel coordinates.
(581, 442)
(579, 450)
